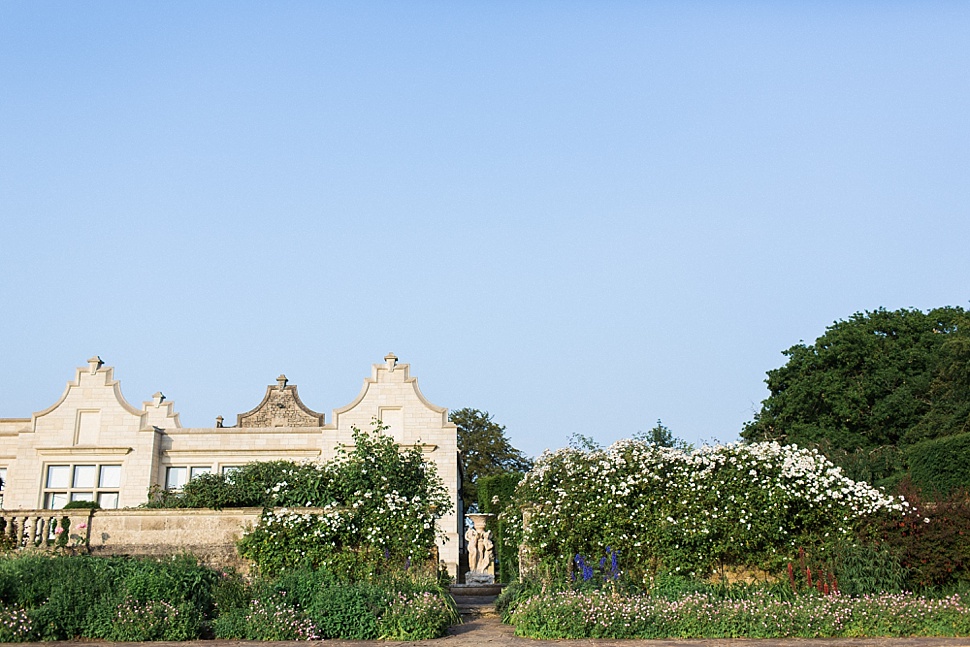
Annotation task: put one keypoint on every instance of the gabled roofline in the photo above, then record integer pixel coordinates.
(95, 366)
(391, 365)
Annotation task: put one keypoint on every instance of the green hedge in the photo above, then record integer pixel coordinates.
(494, 496)
(940, 466)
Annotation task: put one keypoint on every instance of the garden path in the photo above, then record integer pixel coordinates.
(490, 631)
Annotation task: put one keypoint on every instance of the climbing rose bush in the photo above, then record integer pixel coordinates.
(669, 510)
(375, 506)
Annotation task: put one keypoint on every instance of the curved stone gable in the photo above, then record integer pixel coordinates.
(281, 407)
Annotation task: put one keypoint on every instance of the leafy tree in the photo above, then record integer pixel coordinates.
(661, 436)
(583, 443)
(485, 450)
(879, 379)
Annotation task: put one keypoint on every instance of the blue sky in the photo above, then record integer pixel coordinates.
(579, 216)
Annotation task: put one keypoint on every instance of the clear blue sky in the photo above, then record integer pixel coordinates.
(579, 216)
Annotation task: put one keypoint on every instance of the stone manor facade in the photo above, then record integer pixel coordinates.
(93, 445)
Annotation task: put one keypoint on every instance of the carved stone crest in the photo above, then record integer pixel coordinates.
(281, 407)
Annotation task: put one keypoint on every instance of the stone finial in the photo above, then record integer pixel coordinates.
(219, 421)
(94, 364)
(157, 398)
(391, 360)
(281, 382)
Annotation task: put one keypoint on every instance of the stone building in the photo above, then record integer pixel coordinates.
(93, 445)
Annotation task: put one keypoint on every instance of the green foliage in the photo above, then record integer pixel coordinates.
(931, 544)
(417, 616)
(753, 613)
(111, 598)
(485, 450)
(882, 466)
(262, 484)
(670, 511)
(264, 620)
(940, 466)
(879, 379)
(379, 509)
(496, 492)
(865, 569)
(495, 496)
(949, 394)
(583, 443)
(135, 621)
(349, 611)
(375, 506)
(662, 436)
(304, 604)
(81, 505)
(16, 625)
(44, 597)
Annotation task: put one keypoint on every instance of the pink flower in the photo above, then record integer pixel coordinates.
(58, 530)
(82, 526)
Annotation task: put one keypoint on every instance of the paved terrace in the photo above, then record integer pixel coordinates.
(490, 631)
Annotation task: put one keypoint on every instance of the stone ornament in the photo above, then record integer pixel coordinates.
(481, 551)
(281, 407)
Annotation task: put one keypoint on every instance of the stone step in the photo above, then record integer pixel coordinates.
(470, 611)
(476, 600)
(475, 590)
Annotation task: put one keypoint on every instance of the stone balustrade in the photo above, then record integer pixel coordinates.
(21, 529)
(211, 535)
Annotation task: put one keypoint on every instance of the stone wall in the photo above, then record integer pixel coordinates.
(211, 535)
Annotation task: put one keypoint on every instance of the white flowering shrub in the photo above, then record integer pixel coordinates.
(375, 506)
(668, 510)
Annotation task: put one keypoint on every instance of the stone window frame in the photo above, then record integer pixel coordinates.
(73, 492)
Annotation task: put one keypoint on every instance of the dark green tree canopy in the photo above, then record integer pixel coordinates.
(662, 436)
(485, 450)
(879, 379)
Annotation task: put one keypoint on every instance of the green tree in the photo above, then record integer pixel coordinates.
(881, 379)
(661, 436)
(485, 450)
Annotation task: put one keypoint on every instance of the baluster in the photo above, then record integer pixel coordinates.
(39, 536)
(38, 531)
(31, 531)
(20, 530)
(45, 535)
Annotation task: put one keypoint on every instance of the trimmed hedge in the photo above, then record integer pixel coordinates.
(940, 466)
(494, 496)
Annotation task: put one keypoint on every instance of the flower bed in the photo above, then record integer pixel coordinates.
(45, 597)
(606, 614)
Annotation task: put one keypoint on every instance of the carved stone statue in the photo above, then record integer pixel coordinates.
(471, 540)
(481, 551)
(487, 551)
